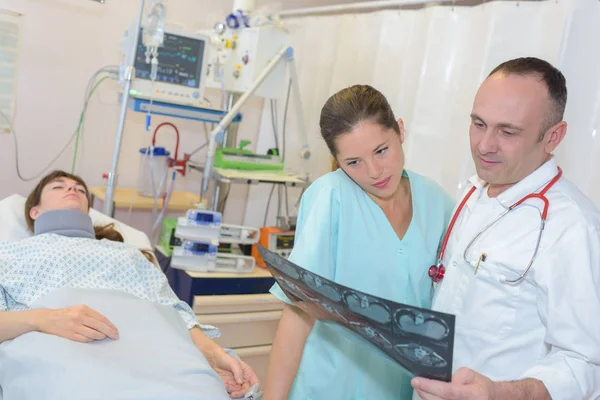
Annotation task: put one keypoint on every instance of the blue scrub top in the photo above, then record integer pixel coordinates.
(343, 235)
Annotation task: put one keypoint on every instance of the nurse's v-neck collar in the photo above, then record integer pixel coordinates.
(405, 174)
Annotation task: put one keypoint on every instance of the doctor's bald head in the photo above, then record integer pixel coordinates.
(549, 76)
(517, 120)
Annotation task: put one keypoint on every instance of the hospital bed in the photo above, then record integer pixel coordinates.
(13, 227)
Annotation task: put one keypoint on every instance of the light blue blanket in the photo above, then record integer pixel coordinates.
(154, 358)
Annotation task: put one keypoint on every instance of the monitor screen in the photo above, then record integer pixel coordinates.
(201, 217)
(201, 248)
(179, 60)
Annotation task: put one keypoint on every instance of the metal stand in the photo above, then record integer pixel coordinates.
(207, 175)
(129, 72)
(222, 189)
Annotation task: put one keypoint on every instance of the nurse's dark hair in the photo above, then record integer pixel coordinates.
(351, 106)
(552, 78)
(102, 232)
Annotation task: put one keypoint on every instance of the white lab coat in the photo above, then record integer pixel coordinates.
(547, 326)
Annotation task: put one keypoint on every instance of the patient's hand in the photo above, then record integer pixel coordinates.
(237, 376)
(78, 323)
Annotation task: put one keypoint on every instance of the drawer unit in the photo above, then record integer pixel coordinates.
(248, 323)
(244, 329)
(236, 303)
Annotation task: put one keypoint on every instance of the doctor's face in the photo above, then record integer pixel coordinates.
(61, 193)
(372, 156)
(509, 115)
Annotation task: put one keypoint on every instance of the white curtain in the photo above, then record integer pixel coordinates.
(579, 60)
(429, 63)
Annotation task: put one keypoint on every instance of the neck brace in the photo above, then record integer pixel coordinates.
(72, 223)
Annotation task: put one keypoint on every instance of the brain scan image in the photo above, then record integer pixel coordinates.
(290, 270)
(372, 310)
(420, 323)
(420, 340)
(317, 284)
(373, 335)
(421, 354)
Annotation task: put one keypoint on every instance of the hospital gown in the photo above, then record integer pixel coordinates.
(39, 265)
(343, 235)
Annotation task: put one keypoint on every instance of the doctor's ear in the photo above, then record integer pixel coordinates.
(553, 136)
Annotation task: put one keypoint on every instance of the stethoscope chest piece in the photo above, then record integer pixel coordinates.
(437, 272)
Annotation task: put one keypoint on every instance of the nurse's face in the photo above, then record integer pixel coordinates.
(507, 141)
(61, 193)
(372, 156)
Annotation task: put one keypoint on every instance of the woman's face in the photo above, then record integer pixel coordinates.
(372, 156)
(61, 193)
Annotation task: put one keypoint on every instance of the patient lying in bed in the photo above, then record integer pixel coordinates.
(87, 318)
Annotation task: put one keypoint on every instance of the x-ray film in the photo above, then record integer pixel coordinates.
(420, 340)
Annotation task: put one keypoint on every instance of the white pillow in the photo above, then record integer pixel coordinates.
(14, 227)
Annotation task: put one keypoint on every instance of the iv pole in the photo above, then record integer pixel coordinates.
(129, 73)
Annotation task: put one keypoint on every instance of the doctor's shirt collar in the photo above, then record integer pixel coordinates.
(530, 184)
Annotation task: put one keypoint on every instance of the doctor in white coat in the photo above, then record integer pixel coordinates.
(526, 293)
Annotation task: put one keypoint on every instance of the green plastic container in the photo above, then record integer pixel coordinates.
(167, 236)
(241, 159)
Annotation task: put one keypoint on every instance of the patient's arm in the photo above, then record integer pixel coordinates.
(78, 323)
(236, 374)
(16, 323)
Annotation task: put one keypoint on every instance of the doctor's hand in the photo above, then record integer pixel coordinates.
(466, 384)
(78, 323)
(237, 376)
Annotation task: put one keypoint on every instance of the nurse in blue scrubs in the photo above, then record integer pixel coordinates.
(371, 225)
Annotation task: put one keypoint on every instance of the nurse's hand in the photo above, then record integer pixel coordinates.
(78, 323)
(237, 376)
(466, 384)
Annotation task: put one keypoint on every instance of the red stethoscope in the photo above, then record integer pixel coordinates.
(437, 272)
